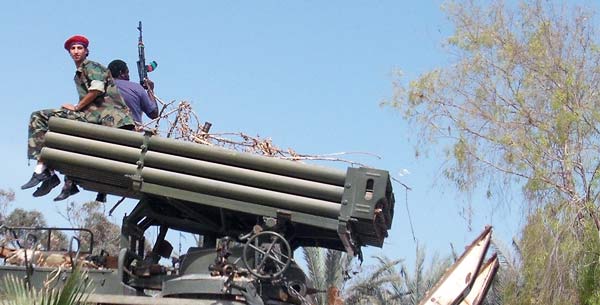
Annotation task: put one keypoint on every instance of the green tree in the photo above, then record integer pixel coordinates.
(33, 219)
(6, 197)
(91, 216)
(23, 218)
(326, 268)
(74, 291)
(508, 275)
(391, 282)
(518, 106)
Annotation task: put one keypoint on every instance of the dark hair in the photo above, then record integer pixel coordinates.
(116, 67)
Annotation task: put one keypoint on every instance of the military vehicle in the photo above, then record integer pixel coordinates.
(252, 211)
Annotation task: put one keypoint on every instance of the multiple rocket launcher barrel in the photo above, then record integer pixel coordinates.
(121, 162)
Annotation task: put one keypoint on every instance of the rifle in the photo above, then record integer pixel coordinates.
(142, 68)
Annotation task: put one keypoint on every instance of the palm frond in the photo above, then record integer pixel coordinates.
(508, 259)
(314, 263)
(336, 263)
(391, 282)
(74, 291)
(15, 291)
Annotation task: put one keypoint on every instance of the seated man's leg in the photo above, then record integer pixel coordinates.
(38, 126)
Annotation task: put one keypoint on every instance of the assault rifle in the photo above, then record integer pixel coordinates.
(142, 68)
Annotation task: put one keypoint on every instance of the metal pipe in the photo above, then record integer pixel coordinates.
(195, 167)
(201, 152)
(196, 184)
(242, 193)
(247, 160)
(94, 131)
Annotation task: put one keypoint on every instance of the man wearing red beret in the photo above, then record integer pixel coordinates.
(99, 103)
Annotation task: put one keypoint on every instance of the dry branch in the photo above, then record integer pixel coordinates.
(180, 121)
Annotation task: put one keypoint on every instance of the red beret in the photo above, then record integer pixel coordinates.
(79, 39)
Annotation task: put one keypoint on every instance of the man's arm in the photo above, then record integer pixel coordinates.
(148, 101)
(153, 114)
(86, 100)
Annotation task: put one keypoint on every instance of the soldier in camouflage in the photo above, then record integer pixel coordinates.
(99, 103)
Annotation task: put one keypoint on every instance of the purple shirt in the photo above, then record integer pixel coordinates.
(136, 99)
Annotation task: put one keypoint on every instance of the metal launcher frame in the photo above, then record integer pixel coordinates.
(218, 192)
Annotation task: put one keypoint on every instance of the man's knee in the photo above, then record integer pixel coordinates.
(45, 114)
(36, 114)
(38, 119)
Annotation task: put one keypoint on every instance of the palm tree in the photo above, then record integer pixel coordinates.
(17, 292)
(326, 268)
(379, 286)
(509, 276)
(386, 284)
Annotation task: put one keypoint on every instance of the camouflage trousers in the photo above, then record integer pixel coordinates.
(38, 123)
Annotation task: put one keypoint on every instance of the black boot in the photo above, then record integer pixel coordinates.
(36, 179)
(101, 197)
(47, 186)
(69, 188)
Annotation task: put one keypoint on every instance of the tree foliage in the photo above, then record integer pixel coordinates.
(75, 290)
(91, 215)
(508, 278)
(326, 268)
(392, 282)
(6, 197)
(519, 105)
(23, 218)
(521, 99)
(28, 238)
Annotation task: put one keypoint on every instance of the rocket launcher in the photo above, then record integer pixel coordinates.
(212, 190)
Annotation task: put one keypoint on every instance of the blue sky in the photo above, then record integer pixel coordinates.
(308, 74)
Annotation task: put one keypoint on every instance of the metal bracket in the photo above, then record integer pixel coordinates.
(344, 234)
(136, 182)
(136, 179)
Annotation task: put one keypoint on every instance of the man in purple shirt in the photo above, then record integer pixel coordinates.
(135, 96)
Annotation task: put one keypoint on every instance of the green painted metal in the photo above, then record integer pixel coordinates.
(370, 202)
(105, 281)
(201, 152)
(135, 300)
(195, 184)
(196, 167)
(239, 206)
(341, 210)
(223, 195)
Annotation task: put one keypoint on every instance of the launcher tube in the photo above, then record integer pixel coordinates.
(197, 184)
(201, 152)
(195, 167)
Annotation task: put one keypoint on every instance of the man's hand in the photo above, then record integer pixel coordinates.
(84, 102)
(149, 84)
(69, 107)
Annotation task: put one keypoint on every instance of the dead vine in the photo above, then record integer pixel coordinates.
(180, 121)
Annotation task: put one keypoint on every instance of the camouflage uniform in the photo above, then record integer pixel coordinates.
(107, 109)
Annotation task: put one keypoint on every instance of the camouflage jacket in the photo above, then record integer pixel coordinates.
(108, 108)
